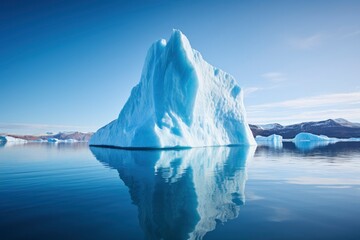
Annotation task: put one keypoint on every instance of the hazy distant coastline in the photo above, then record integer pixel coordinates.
(61, 136)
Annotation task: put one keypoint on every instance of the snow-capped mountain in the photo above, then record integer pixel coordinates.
(339, 128)
(271, 126)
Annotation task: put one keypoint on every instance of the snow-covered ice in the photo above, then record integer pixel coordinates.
(180, 101)
(353, 140)
(304, 136)
(272, 140)
(11, 139)
(53, 140)
(308, 141)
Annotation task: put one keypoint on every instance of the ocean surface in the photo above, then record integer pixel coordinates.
(71, 191)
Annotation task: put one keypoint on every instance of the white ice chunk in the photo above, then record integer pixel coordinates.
(272, 140)
(306, 137)
(11, 139)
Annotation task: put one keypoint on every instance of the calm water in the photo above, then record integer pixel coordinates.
(57, 191)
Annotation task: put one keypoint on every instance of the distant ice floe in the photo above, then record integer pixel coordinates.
(273, 140)
(10, 141)
(305, 137)
(71, 141)
(55, 140)
(353, 140)
(7, 140)
(308, 141)
(303, 141)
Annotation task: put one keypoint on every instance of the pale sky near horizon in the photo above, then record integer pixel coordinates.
(70, 65)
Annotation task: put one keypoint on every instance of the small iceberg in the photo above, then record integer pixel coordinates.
(353, 140)
(53, 140)
(7, 140)
(271, 141)
(11, 139)
(70, 140)
(306, 137)
(308, 141)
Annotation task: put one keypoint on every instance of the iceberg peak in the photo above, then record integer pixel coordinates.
(179, 40)
(180, 101)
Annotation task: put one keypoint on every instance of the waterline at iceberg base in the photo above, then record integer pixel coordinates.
(180, 101)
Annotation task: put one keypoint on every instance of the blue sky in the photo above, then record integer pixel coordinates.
(70, 65)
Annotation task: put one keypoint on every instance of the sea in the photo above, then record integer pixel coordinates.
(73, 191)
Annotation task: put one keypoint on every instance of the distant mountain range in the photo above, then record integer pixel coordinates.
(339, 128)
(78, 136)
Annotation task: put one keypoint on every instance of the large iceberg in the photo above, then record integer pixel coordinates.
(180, 101)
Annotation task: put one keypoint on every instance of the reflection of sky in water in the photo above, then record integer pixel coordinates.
(332, 164)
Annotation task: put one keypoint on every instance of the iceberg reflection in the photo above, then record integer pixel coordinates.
(182, 194)
(310, 145)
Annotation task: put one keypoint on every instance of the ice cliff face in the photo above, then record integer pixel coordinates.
(180, 101)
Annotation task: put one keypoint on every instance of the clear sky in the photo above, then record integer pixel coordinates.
(70, 65)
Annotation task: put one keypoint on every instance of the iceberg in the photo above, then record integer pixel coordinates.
(308, 141)
(9, 141)
(272, 140)
(180, 101)
(306, 137)
(353, 140)
(53, 140)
